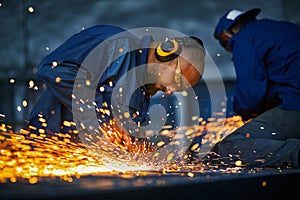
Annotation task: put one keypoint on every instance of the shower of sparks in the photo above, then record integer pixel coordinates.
(27, 156)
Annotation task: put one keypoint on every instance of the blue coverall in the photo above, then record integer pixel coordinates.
(58, 71)
(266, 57)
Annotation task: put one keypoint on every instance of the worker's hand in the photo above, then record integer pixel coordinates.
(123, 140)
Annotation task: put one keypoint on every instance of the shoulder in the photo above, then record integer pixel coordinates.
(105, 27)
(102, 31)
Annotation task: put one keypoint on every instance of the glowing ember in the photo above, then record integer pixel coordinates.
(24, 155)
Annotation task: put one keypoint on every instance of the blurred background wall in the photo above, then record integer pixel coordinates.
(31, 29)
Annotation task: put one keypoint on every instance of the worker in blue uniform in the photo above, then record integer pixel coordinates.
(121, 52)
(266, 58)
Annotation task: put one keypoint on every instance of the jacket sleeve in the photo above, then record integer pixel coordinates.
(96, 75)
(252, 94)
(60, 68)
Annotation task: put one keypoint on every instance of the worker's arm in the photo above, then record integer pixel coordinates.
(97, 75)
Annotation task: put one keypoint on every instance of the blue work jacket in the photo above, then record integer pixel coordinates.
(59, 69)
(266, 57)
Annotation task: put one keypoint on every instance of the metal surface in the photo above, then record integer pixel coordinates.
(250, 184)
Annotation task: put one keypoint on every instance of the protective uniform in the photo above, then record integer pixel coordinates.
(59, 71)
(266, 57)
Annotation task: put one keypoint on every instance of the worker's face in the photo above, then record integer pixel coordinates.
(224, 39)
(173, 76)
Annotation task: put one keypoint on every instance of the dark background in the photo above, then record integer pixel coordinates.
(26, 37)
